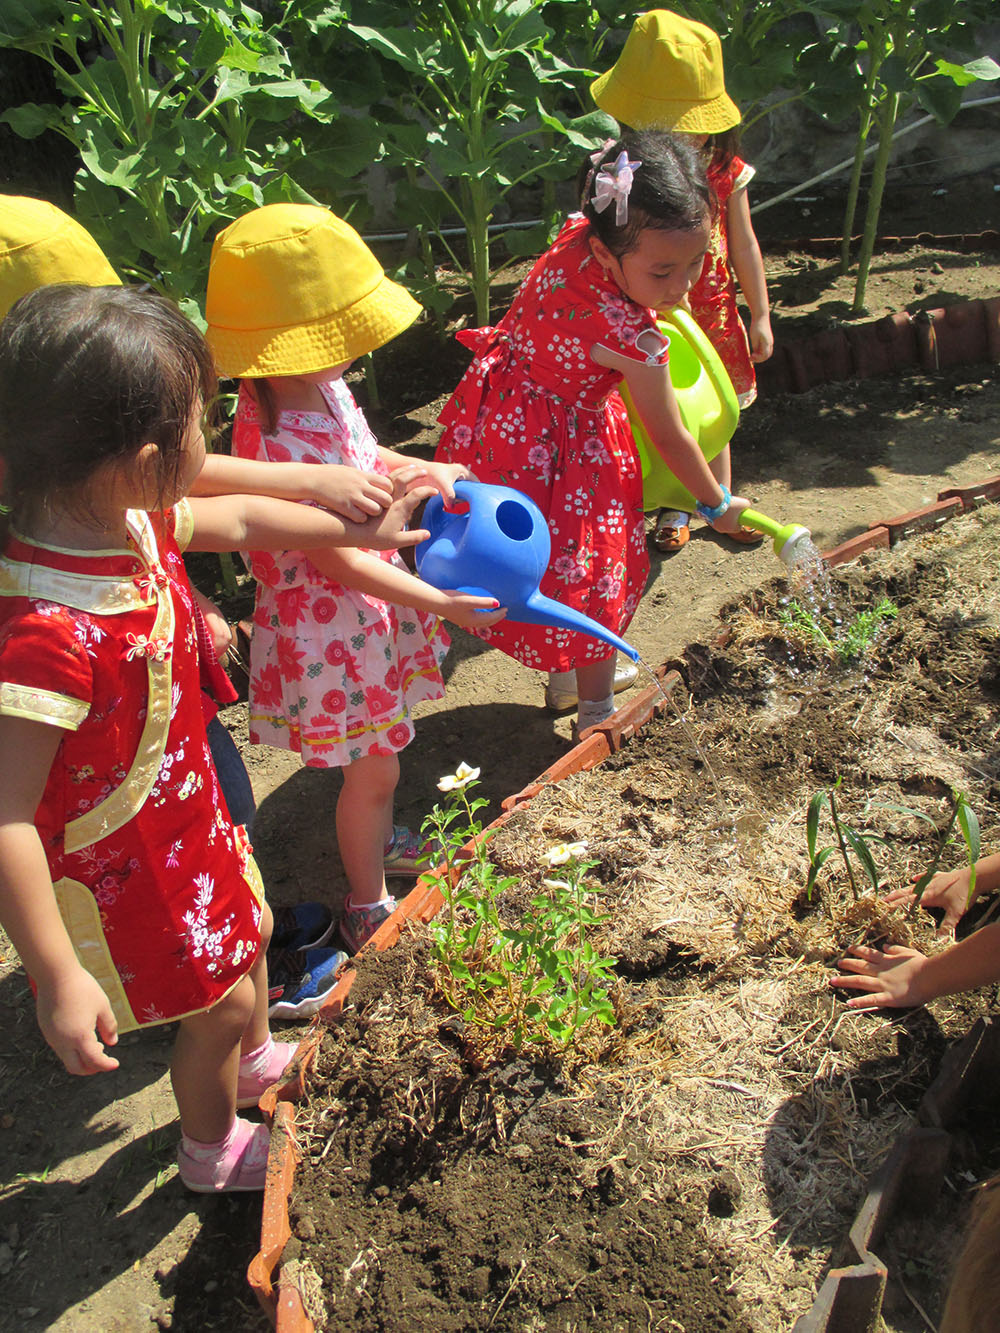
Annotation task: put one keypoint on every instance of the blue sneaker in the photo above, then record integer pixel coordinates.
(304, 926)
(299, 981)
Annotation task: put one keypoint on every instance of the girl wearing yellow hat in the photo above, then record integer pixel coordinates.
(669, 76)
(294, 296)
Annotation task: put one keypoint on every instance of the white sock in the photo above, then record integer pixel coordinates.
(592, 711)
(563, 680)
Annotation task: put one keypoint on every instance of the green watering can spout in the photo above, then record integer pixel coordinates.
(789, 538)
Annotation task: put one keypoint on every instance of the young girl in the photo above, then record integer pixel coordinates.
(670, 77)
(127, 892)
(538, 408)
(294, 296)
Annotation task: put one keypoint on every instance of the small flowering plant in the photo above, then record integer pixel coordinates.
(538, 981)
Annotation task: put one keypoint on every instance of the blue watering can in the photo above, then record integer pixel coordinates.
(499, 548)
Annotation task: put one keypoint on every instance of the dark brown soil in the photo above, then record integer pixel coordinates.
(701, 1164)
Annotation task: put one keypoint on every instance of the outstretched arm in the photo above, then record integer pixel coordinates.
(655, 401)
(378, 578)
(748, 265)
(353, 494)
(73, 1012)
(260, 523)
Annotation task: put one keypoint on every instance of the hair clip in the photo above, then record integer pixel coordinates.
(615, 183)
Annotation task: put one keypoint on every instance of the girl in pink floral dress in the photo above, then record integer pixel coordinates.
(539, 407)
(344, 643)
(127, 892)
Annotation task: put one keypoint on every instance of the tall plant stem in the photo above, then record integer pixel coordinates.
(887, 115)
(854, 187)
(843, 845)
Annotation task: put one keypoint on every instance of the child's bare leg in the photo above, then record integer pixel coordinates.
(595, 680)
(258, 1029)
(364, 824)
(203, 1068)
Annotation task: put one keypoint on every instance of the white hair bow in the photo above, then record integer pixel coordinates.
(613, 183)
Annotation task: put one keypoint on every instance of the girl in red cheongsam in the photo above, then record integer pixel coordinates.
(127, 892)
(669, 76)
(539, 407)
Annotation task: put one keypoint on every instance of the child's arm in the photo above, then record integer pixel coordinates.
(365, 573)
(346, 490)
(748, 265)
(950, 889)
(260, 523)
(73, 1012)
(902, 977)
(655, 400)
(441, 475)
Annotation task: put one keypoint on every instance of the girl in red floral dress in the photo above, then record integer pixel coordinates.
(539, 407)
(669, 76)
(127, 892)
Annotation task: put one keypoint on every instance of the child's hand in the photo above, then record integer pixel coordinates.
(388, 531)
(348, 492)
(948, 889)
(473, 612)
(219, 630)
(890, 980)
(730, 520)
(77, 1022)
(444, 476)
(761, 338)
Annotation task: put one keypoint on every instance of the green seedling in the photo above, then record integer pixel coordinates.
(534, 983)
(965, 817)
(848, 840)
(849, 643)
(858, 843)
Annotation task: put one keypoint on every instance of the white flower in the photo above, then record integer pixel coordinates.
(565, 851)
(557, 884)
(462, 776)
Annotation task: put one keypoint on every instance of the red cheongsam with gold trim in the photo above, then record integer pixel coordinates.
(157, 890)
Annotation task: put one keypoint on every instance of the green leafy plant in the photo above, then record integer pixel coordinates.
(466, 118)
(903, 54)
(184, 116)
(534, 983)
(848, 642)
(855, 844)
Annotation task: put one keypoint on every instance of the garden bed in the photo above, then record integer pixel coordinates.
(701, 1162)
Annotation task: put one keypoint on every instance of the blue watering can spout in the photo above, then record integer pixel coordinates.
(498, 546)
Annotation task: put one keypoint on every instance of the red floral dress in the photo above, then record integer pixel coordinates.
(713, 297)
(157, 890)
(536, 412)
(334, 672)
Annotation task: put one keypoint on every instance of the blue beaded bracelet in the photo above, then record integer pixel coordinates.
(713, 515)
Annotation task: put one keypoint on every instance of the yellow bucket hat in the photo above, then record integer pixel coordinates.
(293, 289)
(40, 244)
(669, 76)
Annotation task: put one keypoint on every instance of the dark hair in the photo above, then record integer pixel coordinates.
(669, 192)
(721, 148)
(88, 375)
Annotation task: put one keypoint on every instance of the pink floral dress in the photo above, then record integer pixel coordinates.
(156, 888)
(334, 672)
(536, 412)
(713, 297)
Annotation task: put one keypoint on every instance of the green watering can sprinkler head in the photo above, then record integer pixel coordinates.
(789, 538)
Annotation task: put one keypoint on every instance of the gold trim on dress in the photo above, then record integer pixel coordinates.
(82, 918)
(60, 710)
